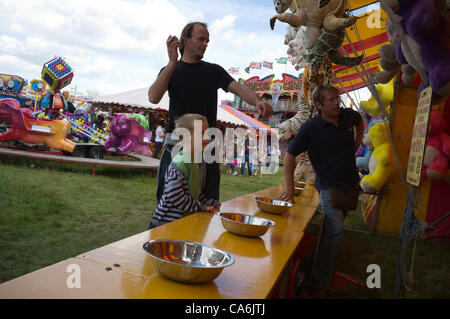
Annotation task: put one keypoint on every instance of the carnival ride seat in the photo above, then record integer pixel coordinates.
(28, 129)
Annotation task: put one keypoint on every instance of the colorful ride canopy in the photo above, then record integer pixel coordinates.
(366, 37)
(250, 121)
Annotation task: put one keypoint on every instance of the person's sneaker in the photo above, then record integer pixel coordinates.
(235, 173)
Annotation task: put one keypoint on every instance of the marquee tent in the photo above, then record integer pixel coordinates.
(139, 98)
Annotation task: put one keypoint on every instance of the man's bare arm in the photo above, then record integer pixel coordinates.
(161, 84)
(248, 95)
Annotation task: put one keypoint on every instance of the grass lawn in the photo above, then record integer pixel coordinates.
(50, 211)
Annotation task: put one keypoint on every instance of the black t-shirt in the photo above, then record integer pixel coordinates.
(330, 148)
(193, 89)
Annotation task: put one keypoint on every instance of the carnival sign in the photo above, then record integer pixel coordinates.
(419, 137)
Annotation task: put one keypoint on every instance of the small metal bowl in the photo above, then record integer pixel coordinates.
(300, 184)
(273, 206)
(187, 261)
(245, 225)
(298, 190)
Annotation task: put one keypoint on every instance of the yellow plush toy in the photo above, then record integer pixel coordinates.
(381, 164)
(386, 94)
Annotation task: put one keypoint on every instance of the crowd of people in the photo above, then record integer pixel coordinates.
(254, 161)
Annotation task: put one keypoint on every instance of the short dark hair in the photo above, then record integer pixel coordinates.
(319, 92)
(187, 33)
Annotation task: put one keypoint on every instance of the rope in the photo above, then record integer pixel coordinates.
(348, 95)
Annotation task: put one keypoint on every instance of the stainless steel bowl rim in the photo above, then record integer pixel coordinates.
(257, 198)
(272, 223)
(229, 263)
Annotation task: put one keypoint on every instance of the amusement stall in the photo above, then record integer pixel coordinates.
(399, 51)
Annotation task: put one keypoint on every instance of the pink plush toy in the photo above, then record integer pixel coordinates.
(437, 149)
(128, 135)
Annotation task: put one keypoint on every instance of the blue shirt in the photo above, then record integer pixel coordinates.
(331, 149)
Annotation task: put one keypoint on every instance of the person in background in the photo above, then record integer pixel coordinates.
(69, 100)
(28, 104)
(159, 138)
(245, 159)
(185, 181)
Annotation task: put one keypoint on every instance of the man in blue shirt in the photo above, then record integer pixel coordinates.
(331, 139)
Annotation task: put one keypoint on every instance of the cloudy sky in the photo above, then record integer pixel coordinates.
(119, 45)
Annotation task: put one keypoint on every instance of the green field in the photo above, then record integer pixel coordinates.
(50, 211)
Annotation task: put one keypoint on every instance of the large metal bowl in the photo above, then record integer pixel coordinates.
(245, 225)
(187, 261)
(298, 190)
(300, 184)
(273, 206)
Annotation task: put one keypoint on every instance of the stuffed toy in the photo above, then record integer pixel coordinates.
(291, 34)
(294, 39)
(312, 15)
(386, 94)
(128, 135)
(381, 165)
(365, 152)
(447, 176)
(363, 158)
(388, 62)
(437, 149)
(426, 27)
(329, 43)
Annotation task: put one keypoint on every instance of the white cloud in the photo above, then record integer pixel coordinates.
(116, 45)
(9, 44)
(224, 23)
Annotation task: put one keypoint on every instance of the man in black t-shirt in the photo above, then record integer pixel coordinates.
(331, 139)
(192, 85)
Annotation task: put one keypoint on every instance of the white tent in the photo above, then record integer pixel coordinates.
(139, 98)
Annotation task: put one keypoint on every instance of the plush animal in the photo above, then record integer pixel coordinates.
(328, 43)
(316, 73)
(363, 158)
(141, 120)
(381, 164)
(294, 39)
(389, 64)
(386, 94)
(126, 134)
(437, 149)
(447, 176)
(426, 27)
(310, 14)
(365, 152)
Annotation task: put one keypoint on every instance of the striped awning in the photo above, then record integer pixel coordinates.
(250, 121)
(366, 36)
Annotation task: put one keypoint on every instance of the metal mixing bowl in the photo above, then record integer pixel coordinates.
(274, 206)
(298, 190)
(187, 261)
(300, 184)
(245, 225)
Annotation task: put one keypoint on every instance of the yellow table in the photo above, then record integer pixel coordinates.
(123, 270)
